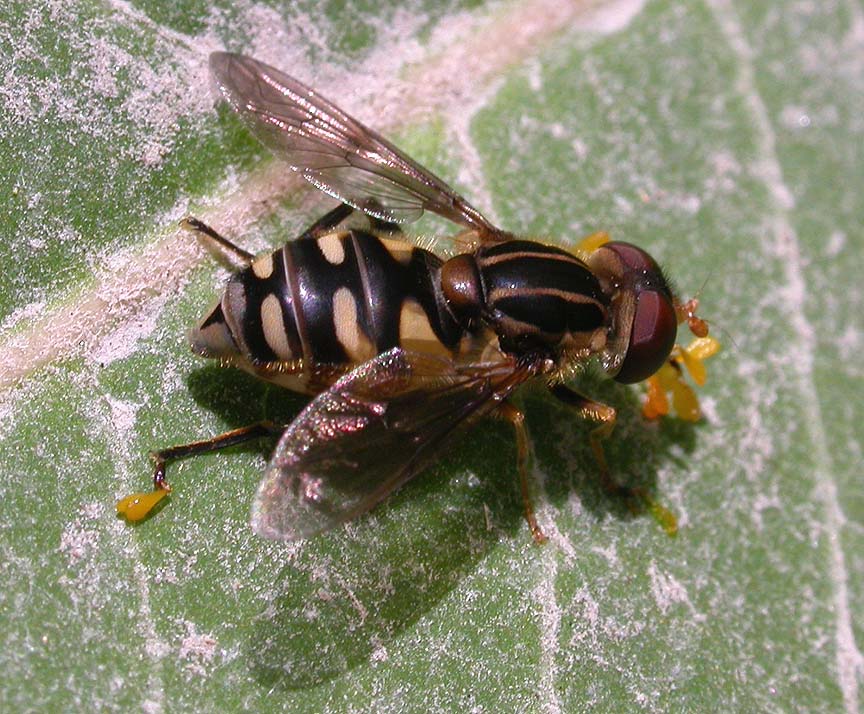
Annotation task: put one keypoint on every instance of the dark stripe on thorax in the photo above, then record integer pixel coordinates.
(541, 286)
(551, 313)
(523, 265)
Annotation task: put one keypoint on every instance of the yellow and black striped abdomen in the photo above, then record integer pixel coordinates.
(331, 302)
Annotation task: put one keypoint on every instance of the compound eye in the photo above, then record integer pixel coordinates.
(655, 327)
(635, 260)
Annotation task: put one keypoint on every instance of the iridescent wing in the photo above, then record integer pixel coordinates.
(334, 151)
(374, 429)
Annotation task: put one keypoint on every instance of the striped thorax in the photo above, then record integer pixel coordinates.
(540, 297)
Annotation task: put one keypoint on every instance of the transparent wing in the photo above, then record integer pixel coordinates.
(336, 152)
(368, 434)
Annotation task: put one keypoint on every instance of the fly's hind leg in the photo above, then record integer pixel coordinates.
(517, 419)
(139, 505)
(196, 448)
(606, 416)
(193, 224)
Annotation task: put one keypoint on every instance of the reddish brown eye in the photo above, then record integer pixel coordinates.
(655, 327)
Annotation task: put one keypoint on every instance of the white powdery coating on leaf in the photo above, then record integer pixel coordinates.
(197, 648)
(157, 93)
(156, 649)
(21, 315)
(836, 244)
(668, 591)
(133, 281)
(123, 417)
(273, 39)
(379, 652)
(610, 553)
(850, 346)
(78, 540)
(149, 706)
(550, 627)
(197, 645)
(125, 340)
(849, 659)
(550, 528)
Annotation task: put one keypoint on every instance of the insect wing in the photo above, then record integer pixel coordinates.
(334, 151)
(368, 434)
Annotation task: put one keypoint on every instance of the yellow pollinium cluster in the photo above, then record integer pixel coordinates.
(669, 379)
(137, 506)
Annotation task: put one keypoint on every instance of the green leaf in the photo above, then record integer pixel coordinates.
(725, 137)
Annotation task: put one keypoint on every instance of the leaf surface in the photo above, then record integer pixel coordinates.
(724, 137)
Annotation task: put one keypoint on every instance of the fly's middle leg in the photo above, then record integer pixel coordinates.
(523, 452)
(327, 223)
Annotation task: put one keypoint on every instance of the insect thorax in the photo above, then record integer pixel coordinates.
(534, 296)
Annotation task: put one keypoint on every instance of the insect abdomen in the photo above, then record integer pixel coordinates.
(333, 301)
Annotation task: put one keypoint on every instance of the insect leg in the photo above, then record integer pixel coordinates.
(605, 415)
(222, 441)
(517, 419)
(333, 218)
(597, 412)
(327, 222)
(193, 224)
(137, 506)
(386, 227)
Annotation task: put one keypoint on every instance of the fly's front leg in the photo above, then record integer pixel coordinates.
(137, 506)
(517, 419)
(606, 416)
(596, 412)
(193, 224)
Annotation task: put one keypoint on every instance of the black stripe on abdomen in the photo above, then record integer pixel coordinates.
(260, 301)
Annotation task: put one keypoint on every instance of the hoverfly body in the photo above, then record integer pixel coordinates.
(404, 350)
